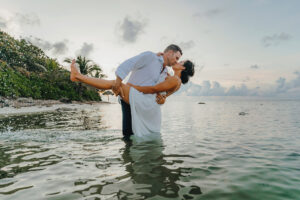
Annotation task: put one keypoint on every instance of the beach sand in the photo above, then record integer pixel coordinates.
(29, 105)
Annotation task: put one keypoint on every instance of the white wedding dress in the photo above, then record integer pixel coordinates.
(145, 115)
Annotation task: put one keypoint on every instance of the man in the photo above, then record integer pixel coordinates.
(146, 69)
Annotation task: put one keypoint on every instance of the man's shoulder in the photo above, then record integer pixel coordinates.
(149, 54)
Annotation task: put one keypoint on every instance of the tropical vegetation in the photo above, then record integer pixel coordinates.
(26, 71)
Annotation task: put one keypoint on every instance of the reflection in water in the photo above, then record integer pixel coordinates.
(79, 154)
(148, 175)
(59, 119)
(147, 167)
(68, 155)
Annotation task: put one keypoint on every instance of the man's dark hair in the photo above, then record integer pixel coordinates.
(174, 48)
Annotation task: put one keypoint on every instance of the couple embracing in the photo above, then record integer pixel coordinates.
(147, 88)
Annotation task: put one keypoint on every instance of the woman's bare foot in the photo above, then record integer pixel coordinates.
(74, 72)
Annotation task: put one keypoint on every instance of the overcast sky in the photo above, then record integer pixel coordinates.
(237, 43)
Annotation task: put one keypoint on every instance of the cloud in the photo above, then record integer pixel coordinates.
(238, 91)
(206, 89)
(246, 79)
(281, 85)
(281, 88)
(254, 66)
(288, 87)
(14, 23)
(131, 29)
(85, 50)
(60, 47)
(19, 19)
(275, 39)
(209, 13)
(212, 12)
(187, 45)
(3, 22)
(214, 88)
(30, 19)
(56, 48)
(44, 45)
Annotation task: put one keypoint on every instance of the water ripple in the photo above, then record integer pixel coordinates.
(205, 152)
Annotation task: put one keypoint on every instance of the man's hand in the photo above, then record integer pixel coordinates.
(160, 99)
(117, 89)
(160, 54)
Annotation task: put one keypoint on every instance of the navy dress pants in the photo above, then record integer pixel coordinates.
(126, 120)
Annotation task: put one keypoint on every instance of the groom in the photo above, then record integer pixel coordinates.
(146, 69)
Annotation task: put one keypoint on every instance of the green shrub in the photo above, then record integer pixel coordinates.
(26, 71)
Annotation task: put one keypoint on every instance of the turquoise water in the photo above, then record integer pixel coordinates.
(206, 151)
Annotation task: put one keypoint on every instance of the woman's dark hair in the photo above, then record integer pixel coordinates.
(187, 72)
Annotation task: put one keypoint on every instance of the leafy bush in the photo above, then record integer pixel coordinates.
(26, 71)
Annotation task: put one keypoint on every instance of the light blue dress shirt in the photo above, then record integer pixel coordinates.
(146, 69)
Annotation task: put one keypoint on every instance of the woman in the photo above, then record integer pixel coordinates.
(145, 112)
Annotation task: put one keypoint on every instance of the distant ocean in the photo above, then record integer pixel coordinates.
(225, 148)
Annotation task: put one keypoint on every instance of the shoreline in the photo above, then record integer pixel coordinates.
(29, 105)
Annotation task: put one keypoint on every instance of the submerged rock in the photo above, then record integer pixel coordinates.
(3, 174)
(243, 113)
(195, 190)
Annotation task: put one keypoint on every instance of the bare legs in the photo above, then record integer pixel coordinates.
(99, 83)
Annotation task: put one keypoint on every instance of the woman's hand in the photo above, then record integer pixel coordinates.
(160, 99)
(117, 89)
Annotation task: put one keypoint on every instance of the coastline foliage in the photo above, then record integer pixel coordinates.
(26, 71)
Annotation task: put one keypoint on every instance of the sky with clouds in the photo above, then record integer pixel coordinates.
(240, 47)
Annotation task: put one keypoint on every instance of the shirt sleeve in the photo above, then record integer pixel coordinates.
(134, 63)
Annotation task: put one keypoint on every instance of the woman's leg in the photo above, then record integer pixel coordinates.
(97, 82)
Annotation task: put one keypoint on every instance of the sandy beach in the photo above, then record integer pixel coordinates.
(29, 105)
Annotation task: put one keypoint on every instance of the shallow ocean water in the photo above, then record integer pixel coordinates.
(227, 148)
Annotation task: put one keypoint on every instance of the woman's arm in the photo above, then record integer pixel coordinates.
(169, 84)
(161, 99)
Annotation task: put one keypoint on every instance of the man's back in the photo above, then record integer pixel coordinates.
(145, 69)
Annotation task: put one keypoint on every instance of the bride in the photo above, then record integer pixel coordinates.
(145, 112)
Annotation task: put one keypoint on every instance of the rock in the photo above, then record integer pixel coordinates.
(64, 109)
(243, 113)
(6, 103)
(187, 196)
(3, 174)
(195, 190)
(65, 100)
(25, 100)
(17, 105)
